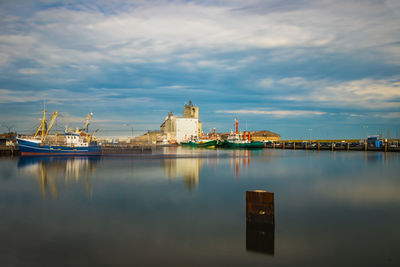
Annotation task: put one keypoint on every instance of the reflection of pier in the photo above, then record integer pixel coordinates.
(50, 170)
(260, 221)
(187, 168)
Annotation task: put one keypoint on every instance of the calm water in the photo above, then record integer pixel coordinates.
(331, 209)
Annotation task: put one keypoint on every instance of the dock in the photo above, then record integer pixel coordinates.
(335, 145)
(126, 149)
(9, 151)
(392, 145)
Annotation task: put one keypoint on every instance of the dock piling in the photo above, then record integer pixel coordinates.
(260, 221)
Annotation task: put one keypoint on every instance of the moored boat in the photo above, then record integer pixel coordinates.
(76, 142)
(31, 148)
(200, 143)
(243, 144)
(238, 140)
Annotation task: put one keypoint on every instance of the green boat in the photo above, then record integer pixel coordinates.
(243, 144)
(236, 140)
(200, 143)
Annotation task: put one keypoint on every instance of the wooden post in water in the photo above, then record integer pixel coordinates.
(260, 221)
(273, 144)
(294, 145)
(260, 206)
(283, 146)
(333, 146)
(366, 146)
(319, 145)
(348, 146)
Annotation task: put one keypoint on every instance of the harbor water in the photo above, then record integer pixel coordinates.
(187, 207)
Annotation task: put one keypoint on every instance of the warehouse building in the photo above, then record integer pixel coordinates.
(182, 128)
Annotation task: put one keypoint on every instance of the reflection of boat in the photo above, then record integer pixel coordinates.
(55, 172)
(200, 143)
(76, 142)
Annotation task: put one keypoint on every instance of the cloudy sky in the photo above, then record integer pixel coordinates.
(301, 68)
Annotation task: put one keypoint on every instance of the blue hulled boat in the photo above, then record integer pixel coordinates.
(76, 142)
(31, 147)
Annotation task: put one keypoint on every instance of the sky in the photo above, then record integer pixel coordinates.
(302, 69)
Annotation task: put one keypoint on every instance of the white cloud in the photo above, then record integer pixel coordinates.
(149, 32)
(267, 82)
(366, 93)
(388, 115)
(275, 113)
(29, 71)
(58, 96)
(294, 81)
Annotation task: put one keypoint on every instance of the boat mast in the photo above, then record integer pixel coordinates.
(43, 125)
(237, 125)
(51, 124)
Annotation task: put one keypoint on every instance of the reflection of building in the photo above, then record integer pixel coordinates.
(54, 173)
(182, 128)
(187, 168)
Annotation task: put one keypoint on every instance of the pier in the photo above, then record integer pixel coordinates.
(391, 145)
(9, 151)
(126, 149)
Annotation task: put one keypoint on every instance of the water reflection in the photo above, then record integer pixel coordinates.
(325, 205)
(260, 237)
(187, 168)
(49, 171)
(240, 159)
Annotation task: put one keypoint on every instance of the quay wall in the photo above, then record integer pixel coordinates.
(334, 145)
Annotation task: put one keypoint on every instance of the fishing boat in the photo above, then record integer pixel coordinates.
(200, 143)
(78, 142)
(237, 140)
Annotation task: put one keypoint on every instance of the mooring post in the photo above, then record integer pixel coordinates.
(348, 146)
(366, 146)
(283, 146)
(294, 145)
(260, 221)
(319, 145)
(273, 144)
(333, 146)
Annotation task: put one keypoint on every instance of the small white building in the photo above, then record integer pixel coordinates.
(186, 128)
(182, 128)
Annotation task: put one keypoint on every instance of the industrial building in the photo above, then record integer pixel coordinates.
(182, 128)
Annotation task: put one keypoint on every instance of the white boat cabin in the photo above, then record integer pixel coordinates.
(75, 140)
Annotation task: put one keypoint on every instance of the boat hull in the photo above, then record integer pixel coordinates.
(29, 148)
(210, 143)
(243, 145)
